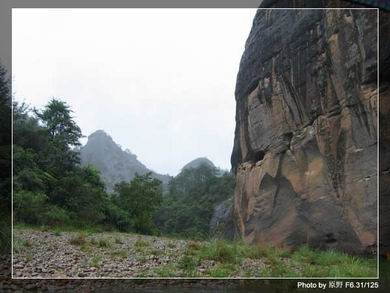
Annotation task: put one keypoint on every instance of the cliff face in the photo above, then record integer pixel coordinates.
(305, 149)
(114, 164)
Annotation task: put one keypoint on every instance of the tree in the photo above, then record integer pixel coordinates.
(5, 159)
(59, 123)
(189, 205)
(63, 135)
(50, 186)
(141, 198)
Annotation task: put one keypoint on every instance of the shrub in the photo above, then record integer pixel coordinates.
(220, 251)
(79, 240)
(55, 216)
(29, 206)
(141, 243)
(103, 243)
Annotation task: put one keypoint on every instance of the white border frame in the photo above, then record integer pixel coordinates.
(209, 278)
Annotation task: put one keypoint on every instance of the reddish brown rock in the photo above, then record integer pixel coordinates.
(305, 151)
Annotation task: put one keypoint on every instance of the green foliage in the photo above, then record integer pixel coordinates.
(29, 207)
(117, 217)
(51, 188)
(140, 198)
(189, 205)
(56, 216)
(59, 124)
(78, 240)
(5, 160)
(104, 243)
(96, 261)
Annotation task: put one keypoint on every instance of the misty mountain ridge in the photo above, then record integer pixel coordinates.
(198, 162)
(114, 163)
(117, 165)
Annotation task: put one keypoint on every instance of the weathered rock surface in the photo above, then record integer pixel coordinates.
(221, 223)
(305, 149)
(114, 164)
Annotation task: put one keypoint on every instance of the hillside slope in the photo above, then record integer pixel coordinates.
(115, 164)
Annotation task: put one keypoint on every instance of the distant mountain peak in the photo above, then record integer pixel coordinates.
(114, 163)
(198, 162)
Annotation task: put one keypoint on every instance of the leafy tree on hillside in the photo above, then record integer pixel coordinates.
(57, 119)
(141, 198)
(50, 187)
(189, 205)
(63, 134)
(5, 159)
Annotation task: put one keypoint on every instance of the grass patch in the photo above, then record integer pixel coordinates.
(156, 251)
(222, 270)
(119, 253)
(21, 244)
(96, 261)
(141, 245)
(118, 240)
(104, 243)
(78, 240)
(171, 244)
(220, 251)
(166, 271)
(279, 262)
(86, 248)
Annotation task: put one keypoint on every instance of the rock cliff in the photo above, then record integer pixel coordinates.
(305, 148)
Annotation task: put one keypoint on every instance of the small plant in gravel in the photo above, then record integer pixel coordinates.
(156, 251)
(188, 264)
(219, 251)
(78, 240)
(104, 243)
(95, 261)
(171, 244)
(222, 270)
(86, 247)
(193, 245)
(119, 253)
(166, 271)
(93, 241)
(118, 240)
(141, 243)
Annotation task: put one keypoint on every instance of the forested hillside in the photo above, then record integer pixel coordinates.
(52, 188)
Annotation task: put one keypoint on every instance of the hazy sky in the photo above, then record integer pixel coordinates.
(159, 81)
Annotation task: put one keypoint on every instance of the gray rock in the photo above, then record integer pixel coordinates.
(221, 223)
(305, 143)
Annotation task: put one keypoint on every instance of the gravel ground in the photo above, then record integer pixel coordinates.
(61, 255)
(108, 255)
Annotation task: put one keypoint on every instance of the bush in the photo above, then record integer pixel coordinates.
(29, 207)
(55, 216)
(78, 240)
(117, 217)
